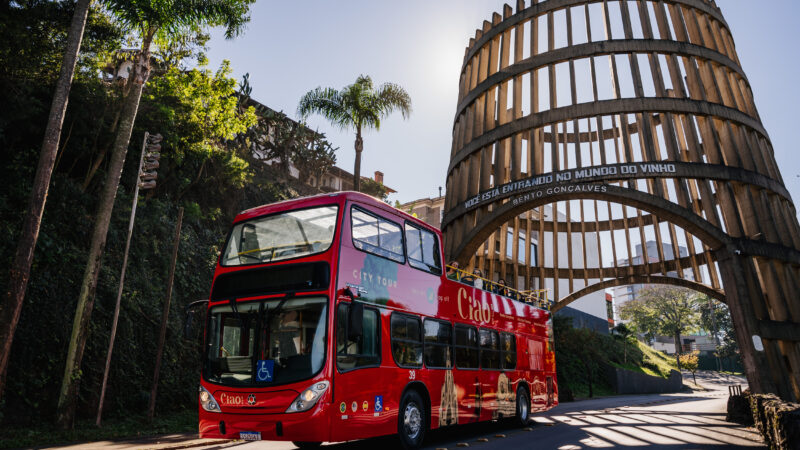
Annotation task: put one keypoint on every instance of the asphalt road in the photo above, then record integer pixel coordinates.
(690, 420)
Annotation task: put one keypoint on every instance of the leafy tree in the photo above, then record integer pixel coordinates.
(314, 158)
(689, 362)
(11, 306)
(623, 333)
(375, 189)
(663, 310)
(151, 20)
(359, 106)
(278, 138)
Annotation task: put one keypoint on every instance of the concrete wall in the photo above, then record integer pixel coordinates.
(581, 319)
(628, 382)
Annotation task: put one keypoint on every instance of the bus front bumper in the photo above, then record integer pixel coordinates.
(309, 426)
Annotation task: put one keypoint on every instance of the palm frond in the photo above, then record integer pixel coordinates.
(328, 103)
(169, 17)
(390, 97)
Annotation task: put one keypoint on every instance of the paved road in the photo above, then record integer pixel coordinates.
(693, 420)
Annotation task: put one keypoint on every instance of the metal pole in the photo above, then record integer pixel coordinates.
(162, 336)
(121, 283)
(716, 335)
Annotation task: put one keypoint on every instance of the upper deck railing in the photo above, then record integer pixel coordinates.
(535, 297)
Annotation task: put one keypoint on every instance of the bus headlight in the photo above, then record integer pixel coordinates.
(308, 397)
(207, 400)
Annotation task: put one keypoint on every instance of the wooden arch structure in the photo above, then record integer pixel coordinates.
(599, 143)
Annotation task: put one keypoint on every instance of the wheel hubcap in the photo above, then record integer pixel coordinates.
(412, 420)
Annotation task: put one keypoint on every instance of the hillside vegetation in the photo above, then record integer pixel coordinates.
(582, 353)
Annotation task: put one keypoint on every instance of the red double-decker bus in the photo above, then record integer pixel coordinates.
(331, 318)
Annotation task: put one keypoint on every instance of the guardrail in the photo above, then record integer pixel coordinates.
(536, 297)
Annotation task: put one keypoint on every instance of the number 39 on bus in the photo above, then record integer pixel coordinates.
(332, 318)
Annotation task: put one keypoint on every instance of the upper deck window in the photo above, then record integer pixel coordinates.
(423, 249)
(281, 236)
(377, 235)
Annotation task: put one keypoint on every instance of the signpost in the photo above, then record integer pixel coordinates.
(151, 153)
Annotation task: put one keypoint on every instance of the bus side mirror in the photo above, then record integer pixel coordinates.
(189, 315)
(355, 321)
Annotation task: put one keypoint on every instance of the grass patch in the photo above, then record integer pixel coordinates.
(656, 362)
(130, 426)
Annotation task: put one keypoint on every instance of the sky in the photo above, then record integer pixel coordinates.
(290, 48)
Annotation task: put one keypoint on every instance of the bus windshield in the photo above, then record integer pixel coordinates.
(266, 343)
(281, 236)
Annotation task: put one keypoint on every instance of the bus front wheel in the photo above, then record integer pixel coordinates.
(411, 420)
(523, 407)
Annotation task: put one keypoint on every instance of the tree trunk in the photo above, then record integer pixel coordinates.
(678, 349)
(11, 307)
(67, 398)
(357, 170)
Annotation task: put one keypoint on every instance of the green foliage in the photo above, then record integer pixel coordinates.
(582, 354)
(204, 168)
(715, 317)
(357, 106)
(375, 189)
(662, 310)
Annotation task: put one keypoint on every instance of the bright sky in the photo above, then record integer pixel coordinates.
(290, 48)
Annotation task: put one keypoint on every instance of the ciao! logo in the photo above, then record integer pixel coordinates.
(237, 399)
(472, 308)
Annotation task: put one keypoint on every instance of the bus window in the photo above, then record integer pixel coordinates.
(406, 340)
(438, 344)
(466, 347)
(490, 349)
(362, 353)
(423, 249)
(508, 345)
(376, 235)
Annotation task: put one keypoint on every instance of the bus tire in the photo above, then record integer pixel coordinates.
(300, 444)
(411, 420)
(523, 407)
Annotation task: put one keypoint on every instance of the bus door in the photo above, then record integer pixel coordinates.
(371, 251)
(358, 358)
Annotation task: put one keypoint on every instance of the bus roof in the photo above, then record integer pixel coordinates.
(322, 199)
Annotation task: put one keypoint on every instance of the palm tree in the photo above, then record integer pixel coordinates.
(358, 106)
(152, 20)
(11, 307)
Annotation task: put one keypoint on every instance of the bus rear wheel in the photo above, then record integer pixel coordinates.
(299, 444)
(411, 420)
(523, 407)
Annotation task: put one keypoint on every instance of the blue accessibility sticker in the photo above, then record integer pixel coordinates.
(264, 369)
(378, 403)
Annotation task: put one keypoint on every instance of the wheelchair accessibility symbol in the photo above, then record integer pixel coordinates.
(264, 369)
(378, 403)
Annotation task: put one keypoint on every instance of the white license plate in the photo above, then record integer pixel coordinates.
(250, 435)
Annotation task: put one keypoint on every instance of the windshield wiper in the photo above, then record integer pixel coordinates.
(235, 310)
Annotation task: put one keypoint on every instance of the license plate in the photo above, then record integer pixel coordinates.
(250, 435)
